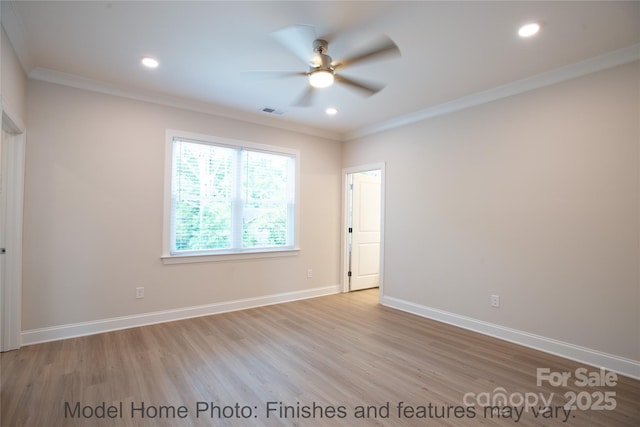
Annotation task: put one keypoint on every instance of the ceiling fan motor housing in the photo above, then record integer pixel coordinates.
(321, 61)
(320, 45)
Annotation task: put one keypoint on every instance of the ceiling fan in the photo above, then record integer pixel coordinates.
(323, 71)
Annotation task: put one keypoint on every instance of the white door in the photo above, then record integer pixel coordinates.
(365, 236)
(12, 151)
(2, 193)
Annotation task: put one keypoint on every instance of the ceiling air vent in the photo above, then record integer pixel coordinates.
(272, 111)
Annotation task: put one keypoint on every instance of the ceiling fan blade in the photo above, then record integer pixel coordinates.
(305, 99)
(256, 76)
(366, 88)
(298, 39)
(385, 47)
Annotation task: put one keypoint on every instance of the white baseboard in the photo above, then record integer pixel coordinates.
(35, 336)
(621, 365)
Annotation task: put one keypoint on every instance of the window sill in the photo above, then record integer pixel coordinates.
(193, 258)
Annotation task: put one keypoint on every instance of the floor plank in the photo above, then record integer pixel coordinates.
(341, 360)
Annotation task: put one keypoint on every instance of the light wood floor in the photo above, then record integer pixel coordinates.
(338, 353)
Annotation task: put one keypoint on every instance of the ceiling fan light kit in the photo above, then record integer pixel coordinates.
(321, 78)
(322, 68)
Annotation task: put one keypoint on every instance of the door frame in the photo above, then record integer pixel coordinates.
(13, 201)
(345, 220)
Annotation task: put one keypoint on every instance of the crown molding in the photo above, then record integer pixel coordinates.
(78, 82)
(592, 65)
(572, 71)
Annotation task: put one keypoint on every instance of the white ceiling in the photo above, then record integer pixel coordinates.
(449, 50)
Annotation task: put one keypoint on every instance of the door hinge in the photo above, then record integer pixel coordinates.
(348, 274)
(350, 229)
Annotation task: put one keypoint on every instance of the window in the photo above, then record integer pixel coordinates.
(228, 197)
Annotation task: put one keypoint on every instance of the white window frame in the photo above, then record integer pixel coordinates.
(222, 255)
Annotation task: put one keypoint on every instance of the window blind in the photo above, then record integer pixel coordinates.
(230, 199)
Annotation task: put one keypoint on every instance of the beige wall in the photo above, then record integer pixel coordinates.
(535, 198)
(13, 81)
(94, 209)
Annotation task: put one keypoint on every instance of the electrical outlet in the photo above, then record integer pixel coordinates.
(139, 292)
(309, 273)
(495, 301)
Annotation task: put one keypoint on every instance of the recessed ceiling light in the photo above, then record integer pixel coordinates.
(529, 30)
(149, 62)
(331, 111)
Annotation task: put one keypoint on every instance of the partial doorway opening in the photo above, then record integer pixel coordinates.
(12, 155)
(364, 224)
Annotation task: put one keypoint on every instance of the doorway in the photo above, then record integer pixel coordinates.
(12, 156)
(363, 228)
